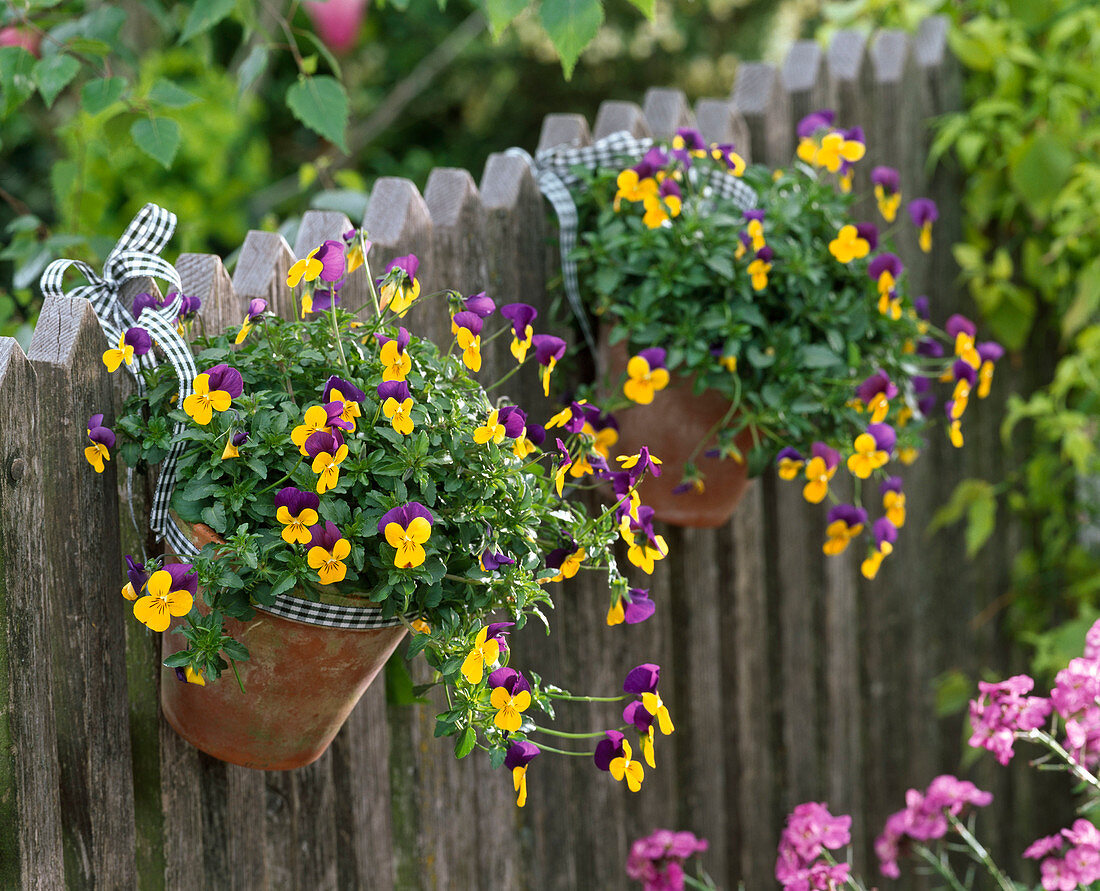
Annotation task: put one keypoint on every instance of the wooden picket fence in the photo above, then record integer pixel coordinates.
(789, 677)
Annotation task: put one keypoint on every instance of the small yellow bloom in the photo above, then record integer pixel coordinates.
(315, 421)
(396, 364)
(818, 473)
(307, 269)
(758, 271)
(399, 414)
(624, 767)
(835, 148)
(327, 468)
(888, 204)
(755, 230)
(985, 379)
(509, 708)
(848, 246)
(246, 326)
(399, 296)
(840, 533)
(202, 404)
(867, 457)
(296, 528)
(871, 565)
(329, 564)
(470, 344)
(954, 433)
(157, 607)
(420, 626)
(96, 454)
(408, 542)
(194, 677)
(519, 783)
(484, 654)
(520, 347)
(633, 189)
(616, 613)
(491, 430)
(123, 353)
(652, 703)
(894, 505)
(642, 381)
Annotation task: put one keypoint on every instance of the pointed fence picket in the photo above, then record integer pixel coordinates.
(789, 677)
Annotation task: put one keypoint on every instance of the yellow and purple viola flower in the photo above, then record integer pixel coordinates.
(963, 330)
(872, 450)
(819, 470)
(297, 511)
(102, 439)
(848, 245)
(566, 560)
(844, 522)
(511, 697)
(480, 304)
(308, 269)
(688, 143)
(324, 299)
(614, 755)
(875, 394)
(886, 533)
(133, 342)
(789, 463)
(257, 306)
(887, 185)
(399, 285)
(893, 500)
(838, 147)
(397, 405)
(520, 754)
(965, 377)
(327, 451)
(491, 560)
(319, 419)
(485, 652)
(666, 204)
(144, 301)
(990, 353)
(646, 374)
(642, 681)
(233, 443)
(564, 462)
(923, 212)
(726, 153)
(521, 315)
(644, 545)
(954, 429)
(338, 390)
(189, 308)
(548, 351)
(759, 268)
(642, 462)
(188, 675)
(514, 420)
(572, 418)
(407, 528)
(809, 131)
(327, 553)
(170, 592)
(528, 441)
(215, 389)
(885, 270)
(754, 228)
(639, 182)
(632, 609)
(467, 326)
(491, 431)
(396, 362)
(136, 579)
(356, 248)
(635, 714)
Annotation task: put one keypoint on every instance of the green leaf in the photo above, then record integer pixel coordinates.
(214, 517)
(648, 8)
(321, 103)
(465, 742)
(159, 138)
(205, 14)
(251, 68)
(571, 24)
(818, 356)
(1086, 303)
(1038, 168)
(16, 81)
(88, 46)
(324, 52)
(101, 93)
(171, 95)
(53, 74)
(981, 519)
(500, 13)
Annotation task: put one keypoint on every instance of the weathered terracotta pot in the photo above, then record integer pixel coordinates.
(301, 683)
(672, 426)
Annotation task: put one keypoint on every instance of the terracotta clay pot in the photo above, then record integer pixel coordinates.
(301, 683)
(672, 426)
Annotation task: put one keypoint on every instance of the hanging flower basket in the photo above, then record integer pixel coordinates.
(296, 690)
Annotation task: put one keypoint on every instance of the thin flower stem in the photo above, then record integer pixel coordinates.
(735, 403)
(289, 474)
(1044, 738)
(339, 340)
(593, 735)
(370, 278)
(236, 674)
(940, 866)
(569, 697)
(981, 853)
(503, 379)
(851, 882)
(546, 748)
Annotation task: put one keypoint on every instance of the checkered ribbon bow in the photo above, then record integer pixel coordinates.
(554, 170)
(136, 255)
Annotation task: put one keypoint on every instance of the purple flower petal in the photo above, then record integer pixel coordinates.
(348, 391)
(642, 679)
(869, 233)
(816, 120)
(398, 390)
(514, 420)
(480, 305)
(639, 608)
(848, 513)
(256, 306)
(471, 321)
(548, 347)
(655, 356)
(139, 339)
(884, 531)
(635, 713)
(520, 315)
(405, 514)
(295, 500)
(184, 578)
(324, 536)
(923, 210)
(224, 377)
(887, 177)
(331, 256)
(959, 324)
(520, 754)
(323, 442)
(885, 263)
(510, 679)
(408, 264)
(607, 750)
(830, 456)
(884, 435)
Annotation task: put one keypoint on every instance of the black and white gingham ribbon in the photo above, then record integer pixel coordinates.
(553, 168)
(135, 255)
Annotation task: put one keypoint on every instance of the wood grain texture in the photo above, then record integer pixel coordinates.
(564, 129)
(666, 110)
(721, 122)
(84, 609)
(615, 115)
(204, 276)
(759, 95)
(262, 267)
(31, 849)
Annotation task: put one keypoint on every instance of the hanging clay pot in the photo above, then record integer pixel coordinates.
(300, 684)
(672, 426)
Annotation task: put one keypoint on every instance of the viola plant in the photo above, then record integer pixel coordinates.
(794, 309)
(337, 457)
(938, 825)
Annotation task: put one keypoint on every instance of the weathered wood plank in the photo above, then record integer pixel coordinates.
(759, 95)
(204, 276)
(85, 611)
(31, 851)
(564, 129)
(262, 267)
(315, 824)
(721, 122)
(319, 226)
(804, 78)
(666, 111)
(615, 115)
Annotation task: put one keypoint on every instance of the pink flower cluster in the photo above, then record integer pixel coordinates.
(1076, 697)
(1001, 710)
(657, 860)
(1081, 863)
(811, 830)
(924, 817)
